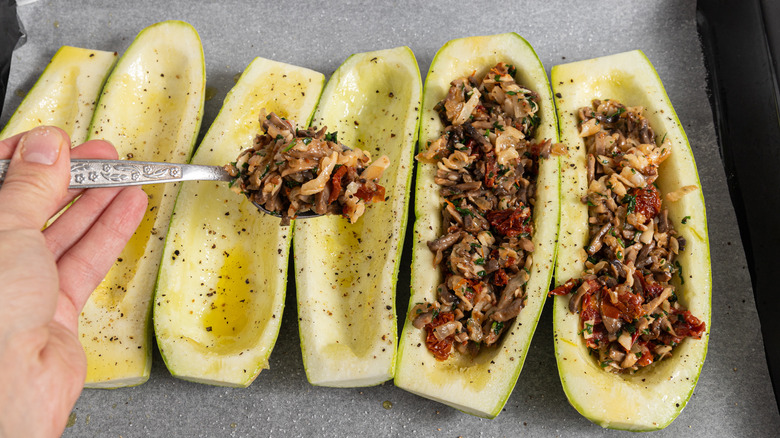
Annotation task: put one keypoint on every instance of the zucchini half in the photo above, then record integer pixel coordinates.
(479, 385)
(652, 397)
(65, 94)
(345, 273)
(150, 109)
(221, 288)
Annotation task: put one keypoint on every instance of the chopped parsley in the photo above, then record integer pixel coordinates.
(630, 202)
(679, 271)
(587, 329)
(464, 211)
(289, 146)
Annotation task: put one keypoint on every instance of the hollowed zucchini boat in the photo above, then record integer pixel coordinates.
(346, 273)
(65, 94)
(653, 396)
(480, 385)
(150, 109)
(223, 275)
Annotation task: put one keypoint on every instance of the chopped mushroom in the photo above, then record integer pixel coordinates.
(486, 169)
(629, 313)
(290, 171)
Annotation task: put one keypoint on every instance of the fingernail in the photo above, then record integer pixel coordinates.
(41, 145)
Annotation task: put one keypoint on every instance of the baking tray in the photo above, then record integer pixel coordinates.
(733, 397)
(10, 34)
(744, 93)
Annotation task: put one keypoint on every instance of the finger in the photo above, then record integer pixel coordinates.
(37, 178)
(77, 219)
(8, 145)
(86, 263)
(28, 281)
(95, 149)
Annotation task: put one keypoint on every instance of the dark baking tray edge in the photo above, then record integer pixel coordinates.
(739, 40)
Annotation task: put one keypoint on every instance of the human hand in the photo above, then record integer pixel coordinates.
(46, 276)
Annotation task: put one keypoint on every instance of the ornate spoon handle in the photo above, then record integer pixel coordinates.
(85, 174)
(90, 174)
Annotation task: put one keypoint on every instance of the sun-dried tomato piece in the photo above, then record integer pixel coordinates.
(630, 306)
(335, 183)
(600, 336)
(689, 325)
(512, 221)
(469, 294)
(648, 201)
(440, 349)
(565, 288)
(500, 278)
(647, 356)
(590, 309)
(609, 311)
(367, 194)
(651, 288)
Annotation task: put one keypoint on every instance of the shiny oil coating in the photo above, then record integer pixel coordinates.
(150, 109)
(221, 289)
(346, 274)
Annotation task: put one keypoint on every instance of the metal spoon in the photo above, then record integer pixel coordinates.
(88, 174)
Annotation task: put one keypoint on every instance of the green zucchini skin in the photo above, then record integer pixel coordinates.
(221, 287)
(346, 274)
(150, 109)
(482, 385)
(653, 397)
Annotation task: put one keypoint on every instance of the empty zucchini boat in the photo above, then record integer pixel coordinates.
(223, 275)
(346, 273)
(150, 109)
(65, 94)
(631, 339)
(487, 208)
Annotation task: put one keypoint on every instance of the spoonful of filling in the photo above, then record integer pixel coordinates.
(288, 172)
(291, 172)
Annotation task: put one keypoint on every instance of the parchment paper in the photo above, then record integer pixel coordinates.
(733, 397)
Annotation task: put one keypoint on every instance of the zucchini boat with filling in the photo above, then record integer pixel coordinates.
(150, 109)
(487, 208)
(346, 273)
(65, 94)
(631, 339)
(221, 288)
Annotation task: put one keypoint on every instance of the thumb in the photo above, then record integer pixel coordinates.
(37, 179)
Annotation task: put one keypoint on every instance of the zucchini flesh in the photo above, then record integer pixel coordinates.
(223, 275)
(65, 94)
(480, 385)
(150, 109)
(651, 398)
(346, 273)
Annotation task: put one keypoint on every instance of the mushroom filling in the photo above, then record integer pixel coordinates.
(486, 172)
(629, 313)
(289, 171)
